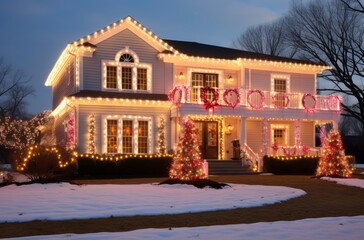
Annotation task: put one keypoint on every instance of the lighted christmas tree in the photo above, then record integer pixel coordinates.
(161, 136)
(333, 162)
(187, 163)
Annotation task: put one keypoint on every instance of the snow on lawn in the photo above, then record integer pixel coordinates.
(65, 201)
(347, 181)
(315, 228)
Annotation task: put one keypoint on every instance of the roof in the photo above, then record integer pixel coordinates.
(121, 95)
(210, 51)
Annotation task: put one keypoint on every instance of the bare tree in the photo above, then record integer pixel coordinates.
(330, 33)
(269, 38)
(14, 90)
(355, 5)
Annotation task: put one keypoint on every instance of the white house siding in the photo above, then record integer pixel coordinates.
(99, 111)
(304, 83)
(65, 83)
(162, 73)
(307, 134)
(254, 135)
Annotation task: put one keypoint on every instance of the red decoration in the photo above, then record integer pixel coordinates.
(289, 151)
(187, 163)
(275, 148)
(175, 96)
(262, 99)
(335, 103)
(229, 92)
(277, 100)
(71, 131)
(215, 97)
(304, 99)
(305, 149)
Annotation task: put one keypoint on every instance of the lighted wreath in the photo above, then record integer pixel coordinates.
(209, 103)
(334, 101)
(305, 97)
(230, 92)
(175, 96)
(277, 100)
(262, 99)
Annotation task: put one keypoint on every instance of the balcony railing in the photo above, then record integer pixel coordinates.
(254, 98)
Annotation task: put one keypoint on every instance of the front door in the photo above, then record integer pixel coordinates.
(208, 132)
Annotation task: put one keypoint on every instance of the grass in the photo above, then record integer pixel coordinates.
(323, 199)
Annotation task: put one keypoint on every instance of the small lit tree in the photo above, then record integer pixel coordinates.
(333, 162)
(187, 163)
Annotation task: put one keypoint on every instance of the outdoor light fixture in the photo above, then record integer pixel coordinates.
(228, 129)
(181, 76)
(230, 79)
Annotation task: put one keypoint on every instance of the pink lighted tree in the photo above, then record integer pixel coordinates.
(333, 162)
(187, 163)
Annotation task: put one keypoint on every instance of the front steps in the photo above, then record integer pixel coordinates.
(227, 167)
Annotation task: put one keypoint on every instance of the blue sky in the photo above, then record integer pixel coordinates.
(34, 32)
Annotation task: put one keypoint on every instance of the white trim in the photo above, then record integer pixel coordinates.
(279, 126)
(80, 67)
(120, 119)
(286, 77)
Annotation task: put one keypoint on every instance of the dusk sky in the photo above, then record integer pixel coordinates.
(34, 32)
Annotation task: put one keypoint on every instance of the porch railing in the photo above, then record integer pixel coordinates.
(256, 99)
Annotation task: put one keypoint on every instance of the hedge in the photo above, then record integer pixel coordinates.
(300, 165)
(156, 166)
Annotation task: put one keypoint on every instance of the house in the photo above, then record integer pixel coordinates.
(112, 88)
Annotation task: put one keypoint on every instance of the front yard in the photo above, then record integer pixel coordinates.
(322, 199)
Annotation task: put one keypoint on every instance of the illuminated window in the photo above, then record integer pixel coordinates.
(126, 73)
(126, 78)
(112, 136)
(127, 136)
(142, 79)
(142, 136)
(279, 134)
(111, 77)
(200, 80)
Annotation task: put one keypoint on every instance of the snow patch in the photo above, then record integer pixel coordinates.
(60, 201)
(347, 181)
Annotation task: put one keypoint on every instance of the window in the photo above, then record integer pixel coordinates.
(280, 88)
(127, 136)
(142, 79)
(126, 78)
(111, 79)
(200, 80)
(112, 136)
(126, 73)
(143, 137)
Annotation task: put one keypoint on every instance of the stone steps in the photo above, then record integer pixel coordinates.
(227, 167)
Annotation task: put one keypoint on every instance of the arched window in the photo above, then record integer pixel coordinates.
(126, 73)
(126, 57)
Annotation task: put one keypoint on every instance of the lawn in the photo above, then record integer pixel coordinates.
(323, 199)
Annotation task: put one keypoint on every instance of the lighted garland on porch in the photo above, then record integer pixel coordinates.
(265, 136)
(276, 100)
(209, 103)
(91, 134)
(305, 97)
(230, 92)
(161, 148)
(262, 99)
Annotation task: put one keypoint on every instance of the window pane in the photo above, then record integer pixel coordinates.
(126, 58)
(126, 78)
(280, 85)
(111, 81)
(127, 136)
(196, 83)
(142, 79)
(112, 136)
(143, 137)
(279, 137)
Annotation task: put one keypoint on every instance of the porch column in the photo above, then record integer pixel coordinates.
(298, 133)
(242, 131)
(265, 137)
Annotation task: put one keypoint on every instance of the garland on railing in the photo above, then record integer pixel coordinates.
(287, 151)
(176, 100)
(307, 108)
(230, 92)
(276, 100)
(209, 103)
(262, 99)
